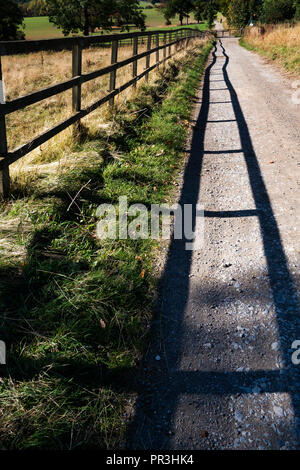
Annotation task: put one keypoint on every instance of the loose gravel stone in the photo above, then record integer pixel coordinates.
(239, 292)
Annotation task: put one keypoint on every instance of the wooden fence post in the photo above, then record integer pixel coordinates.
(170, 40)
(76, 91)
(134, 64)
(165, 48)
(4, 173)
(157, 44)
(176, 39)
(113, 74)
(148, 56)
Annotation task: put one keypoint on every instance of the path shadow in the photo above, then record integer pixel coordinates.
(161, 383)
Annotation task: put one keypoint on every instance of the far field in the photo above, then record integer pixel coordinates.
(41, 28)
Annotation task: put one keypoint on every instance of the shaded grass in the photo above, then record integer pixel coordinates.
(75, 313)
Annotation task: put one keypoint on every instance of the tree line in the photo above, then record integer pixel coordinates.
(86, 16)
(71, 16)
(239, 13)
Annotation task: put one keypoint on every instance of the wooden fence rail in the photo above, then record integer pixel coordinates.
(229, 33)
(163, 40)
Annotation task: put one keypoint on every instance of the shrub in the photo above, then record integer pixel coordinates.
(277, 11)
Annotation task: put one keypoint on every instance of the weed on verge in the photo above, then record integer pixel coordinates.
(75, 310)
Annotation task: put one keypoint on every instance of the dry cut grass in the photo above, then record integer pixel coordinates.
(25, 74)
(278, 42)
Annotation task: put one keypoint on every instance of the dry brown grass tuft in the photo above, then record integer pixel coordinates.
(24, 74)
(272, 35)
(279, 42)
(27, 73)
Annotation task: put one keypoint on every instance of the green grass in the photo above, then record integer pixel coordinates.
(75, 313)
(249, 47)
(40, 27)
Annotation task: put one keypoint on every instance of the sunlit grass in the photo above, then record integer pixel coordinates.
(75, 310)
(280, 43)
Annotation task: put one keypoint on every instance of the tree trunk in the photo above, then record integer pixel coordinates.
(181, 19)
(86, 27)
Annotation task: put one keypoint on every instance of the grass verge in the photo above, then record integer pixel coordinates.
(75, 310)
(279, 44)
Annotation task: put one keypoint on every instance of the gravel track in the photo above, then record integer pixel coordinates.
(229, 312)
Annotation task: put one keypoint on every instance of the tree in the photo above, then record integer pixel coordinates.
(210, 13)
(223, 6)
(297, 10)
(182, 8)
(72, 16)
(239, 12)
(11, 25)
(199, 7)
(276, 11)
(34, 8)
(130, 12)
(37, 8)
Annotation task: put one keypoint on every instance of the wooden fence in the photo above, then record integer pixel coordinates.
(229, 33)
(163, 41)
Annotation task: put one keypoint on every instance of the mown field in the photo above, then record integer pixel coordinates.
(41, 28)
(75, 309)
(279, 43)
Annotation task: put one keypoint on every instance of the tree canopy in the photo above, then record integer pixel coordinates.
(297, 9)
(34, 8)
(275, 11)
(73, 16)
(182, 8)
(11, 24)
(203, 10)
(239, 12)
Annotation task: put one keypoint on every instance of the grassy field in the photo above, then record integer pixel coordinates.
(278, 43)
(76, 309)
(28, 73)
(41, 28)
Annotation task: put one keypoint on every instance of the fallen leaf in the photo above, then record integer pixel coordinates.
(102, 323)
(138, 258)
(204, 433)
(142, 274)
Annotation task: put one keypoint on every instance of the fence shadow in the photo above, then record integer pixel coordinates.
(161, 383)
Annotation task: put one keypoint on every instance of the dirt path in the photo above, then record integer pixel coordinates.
(230, 311)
